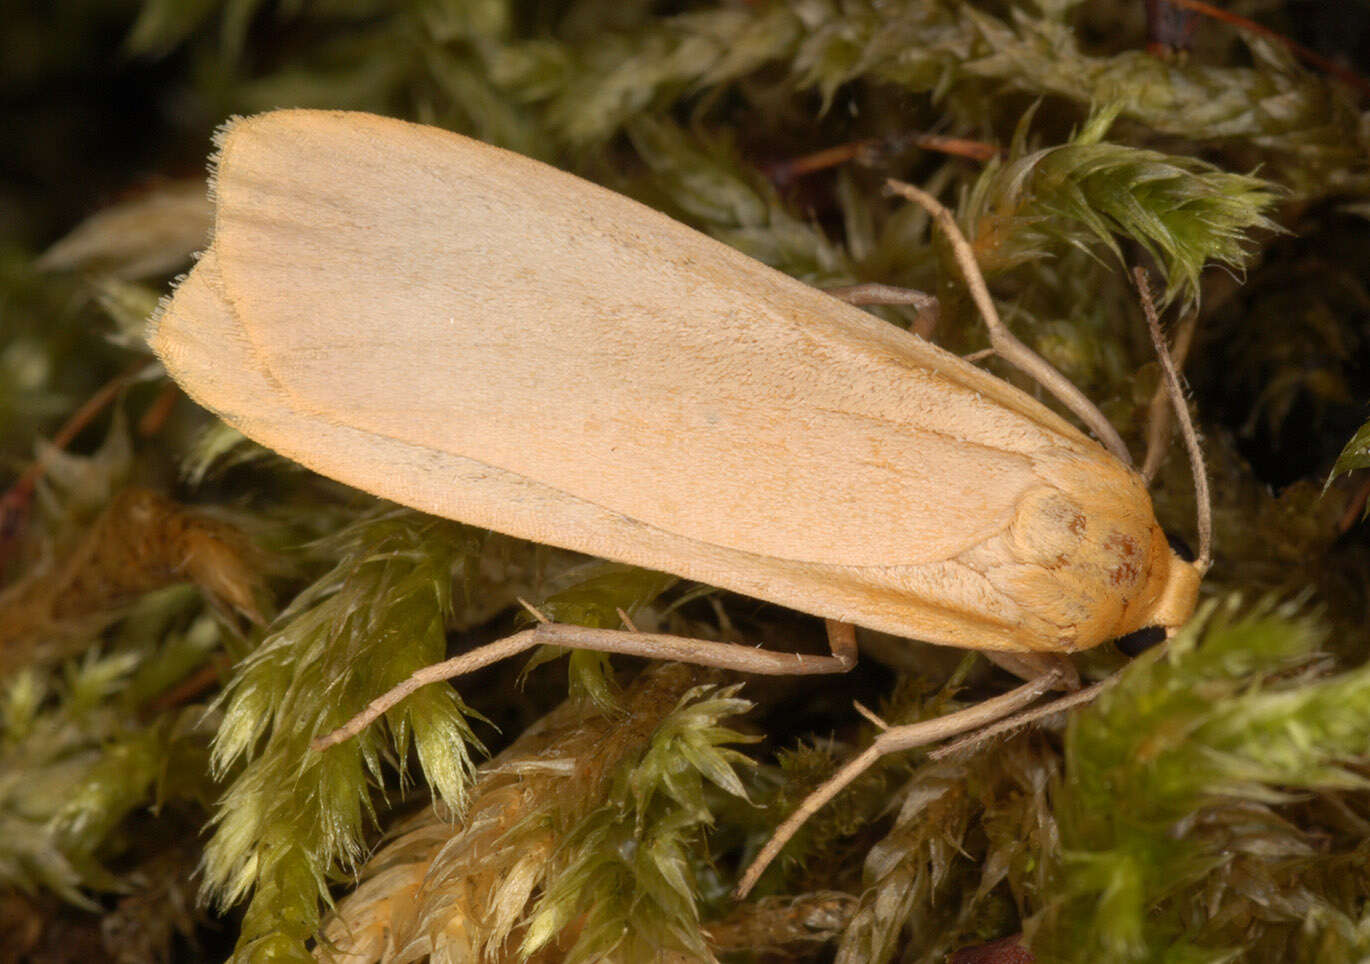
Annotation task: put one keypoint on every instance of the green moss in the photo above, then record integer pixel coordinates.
(1210, 806)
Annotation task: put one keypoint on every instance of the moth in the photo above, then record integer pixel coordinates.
(478, 335)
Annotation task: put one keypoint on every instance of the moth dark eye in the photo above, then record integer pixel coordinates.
(1140, 640)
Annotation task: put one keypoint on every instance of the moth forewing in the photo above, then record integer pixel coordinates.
(478, 335)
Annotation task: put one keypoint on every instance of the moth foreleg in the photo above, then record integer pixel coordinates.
(1003, 340)
(877, 294)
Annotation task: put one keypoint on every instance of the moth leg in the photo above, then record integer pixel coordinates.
(682, 649)
(1003, 340)
(1019, 720)
(1031, 666)
(894, 740)
(877, 294)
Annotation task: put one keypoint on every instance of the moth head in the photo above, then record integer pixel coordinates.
(1178, 592)
(1176, 580)
(1179, 595)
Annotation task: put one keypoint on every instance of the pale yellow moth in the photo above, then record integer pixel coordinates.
(477, 335)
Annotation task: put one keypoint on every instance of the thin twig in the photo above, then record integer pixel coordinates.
(1344, 74)
(14, 503)
(873, 151)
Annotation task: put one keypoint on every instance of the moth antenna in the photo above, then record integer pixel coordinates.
(1159, 414)
(1003, 340)
(1204, 507)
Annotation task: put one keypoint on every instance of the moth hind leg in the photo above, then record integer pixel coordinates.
(682, 649)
